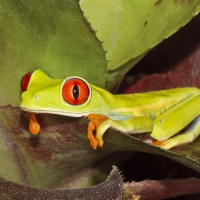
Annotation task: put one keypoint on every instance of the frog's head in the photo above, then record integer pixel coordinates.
(72, 96)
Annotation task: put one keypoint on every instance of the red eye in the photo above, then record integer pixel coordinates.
(25, 81)
(75, 91)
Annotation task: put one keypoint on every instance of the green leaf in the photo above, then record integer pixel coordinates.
(128, 29)
(124, 142)
(47, 35)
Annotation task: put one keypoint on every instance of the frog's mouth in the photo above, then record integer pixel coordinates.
(57, 112)
(34, 126)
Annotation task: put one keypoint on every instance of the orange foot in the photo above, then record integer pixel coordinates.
(158, 143)
(96, 121)
(34, 127)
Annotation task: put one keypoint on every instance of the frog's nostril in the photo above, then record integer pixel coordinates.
(36, 97)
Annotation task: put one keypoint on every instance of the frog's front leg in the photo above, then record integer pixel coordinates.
(96, 121)
(34, 126)
(102, 123)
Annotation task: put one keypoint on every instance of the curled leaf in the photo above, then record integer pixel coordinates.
(111, 189)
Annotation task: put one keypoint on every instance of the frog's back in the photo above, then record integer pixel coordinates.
(152, 104)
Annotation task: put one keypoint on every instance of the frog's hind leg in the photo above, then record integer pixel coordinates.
(171, 122)
(184, 138)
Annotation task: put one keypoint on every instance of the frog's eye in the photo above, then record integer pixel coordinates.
(25, 81)
(75, 91)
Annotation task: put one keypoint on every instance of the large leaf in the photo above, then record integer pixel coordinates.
(128, 29)
(61, 149)
(49, 35)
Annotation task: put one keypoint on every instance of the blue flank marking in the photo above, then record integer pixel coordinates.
(194, 124)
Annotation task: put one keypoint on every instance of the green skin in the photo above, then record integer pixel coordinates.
(162, 113)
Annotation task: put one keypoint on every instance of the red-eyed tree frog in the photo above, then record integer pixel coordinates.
(164, 114)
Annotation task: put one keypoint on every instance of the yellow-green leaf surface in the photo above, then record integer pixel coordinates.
(129, 28)
(48, 35)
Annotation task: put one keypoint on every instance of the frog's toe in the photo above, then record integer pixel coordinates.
(93, 143)
(100, 142)
(167, 144)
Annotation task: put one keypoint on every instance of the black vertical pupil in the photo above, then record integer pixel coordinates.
(75, 92)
